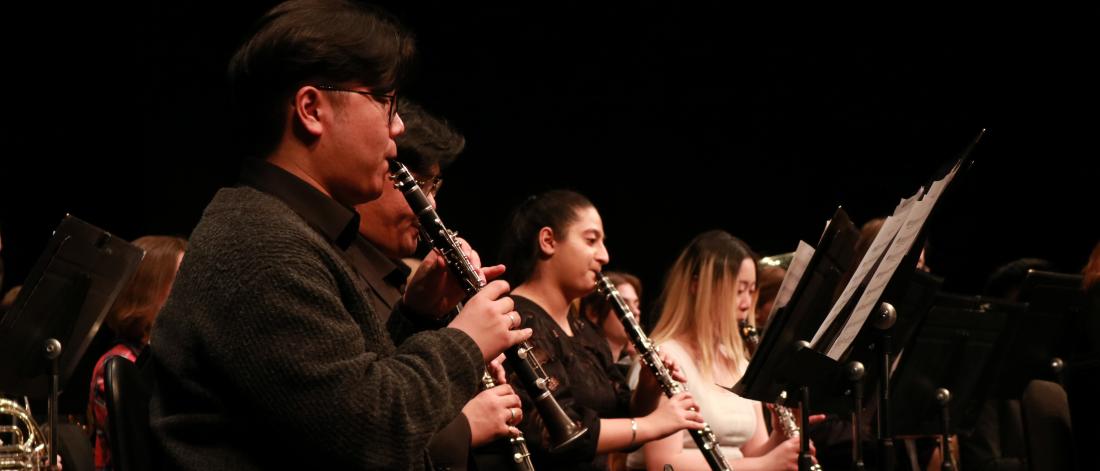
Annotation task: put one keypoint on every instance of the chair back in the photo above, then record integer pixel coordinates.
(128, 395)
(1048, 432)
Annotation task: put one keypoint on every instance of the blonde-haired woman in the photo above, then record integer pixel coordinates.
(708, 289)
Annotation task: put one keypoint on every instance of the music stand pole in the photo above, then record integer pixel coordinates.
(855, 372)
(52, 351)
(805, 461)
(943, 398)
(884, 321)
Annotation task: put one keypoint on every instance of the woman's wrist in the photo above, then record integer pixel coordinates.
(645, 430)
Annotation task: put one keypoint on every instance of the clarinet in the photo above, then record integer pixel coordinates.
(705, 439)
(521, 358)
(788, 422)
(521, 457)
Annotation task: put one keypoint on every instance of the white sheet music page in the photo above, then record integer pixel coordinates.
(802, 256)
(882, 240)
(903, 241)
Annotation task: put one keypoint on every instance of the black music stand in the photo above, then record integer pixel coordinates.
(872, 353)
(946, 371)
(62, 304)
(1039, 351)
(908, 295)
(784, 362)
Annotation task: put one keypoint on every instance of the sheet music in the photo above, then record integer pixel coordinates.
(903, 241)
(802, 256)
(882, 240)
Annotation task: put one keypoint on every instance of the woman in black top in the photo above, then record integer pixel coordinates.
(553, 250)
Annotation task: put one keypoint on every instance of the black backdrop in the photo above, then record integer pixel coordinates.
(674, 119)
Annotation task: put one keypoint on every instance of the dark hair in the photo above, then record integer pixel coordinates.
(519, 248)
(132, 314)
(428, 141)
(301, 41)
(1, 266)
(867, 234)
(595, 306)
(1006, 280)
(768, 280)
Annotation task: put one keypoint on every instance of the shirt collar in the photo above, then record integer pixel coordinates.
(381, 268)
(336, 222)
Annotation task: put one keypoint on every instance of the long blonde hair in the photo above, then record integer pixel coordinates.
(699, 298)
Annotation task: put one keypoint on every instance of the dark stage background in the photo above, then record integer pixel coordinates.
(674, 119)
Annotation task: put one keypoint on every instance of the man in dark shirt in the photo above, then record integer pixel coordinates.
(389, 232)
(268, 353)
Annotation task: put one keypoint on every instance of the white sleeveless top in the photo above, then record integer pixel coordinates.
(731, 417)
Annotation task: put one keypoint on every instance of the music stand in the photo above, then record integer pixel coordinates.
(1055, 302)
(945, 372)
(842, 391)
(784, 360)
(62, 304)
(892, 315)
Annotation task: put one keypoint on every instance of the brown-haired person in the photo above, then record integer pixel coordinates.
(597, 309)
(1082, 387)
(553, 248)
(1091, 273)
(269, 354)
(768, 282)
(131, 319)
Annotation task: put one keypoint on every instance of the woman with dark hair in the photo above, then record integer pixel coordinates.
(131, 319)
(553, 250)
(707, 291)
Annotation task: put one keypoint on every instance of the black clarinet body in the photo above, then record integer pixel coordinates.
(521, 456)
(704, 439)
(562, 430)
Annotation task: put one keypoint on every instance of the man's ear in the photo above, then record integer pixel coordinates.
(547, 243)
(310, 105)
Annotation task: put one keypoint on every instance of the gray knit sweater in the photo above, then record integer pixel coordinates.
(269, 356)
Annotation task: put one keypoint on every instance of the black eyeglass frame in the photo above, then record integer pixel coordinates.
(430, 186)
(391, 96)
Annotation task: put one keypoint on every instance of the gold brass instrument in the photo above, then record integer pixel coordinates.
(22, 444)
(521, 358)
(782, 260)
(704, 439)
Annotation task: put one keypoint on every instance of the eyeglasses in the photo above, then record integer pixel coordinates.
(430, 186)
(389, 100)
